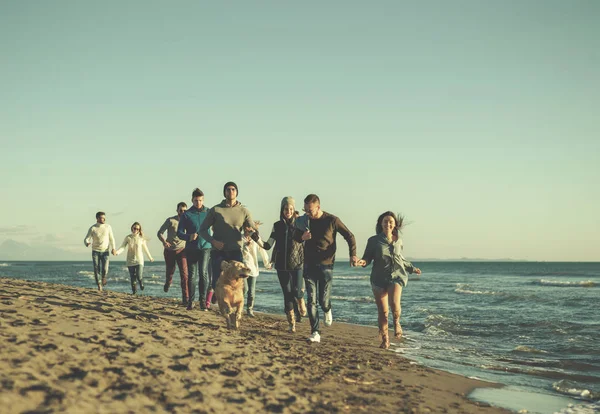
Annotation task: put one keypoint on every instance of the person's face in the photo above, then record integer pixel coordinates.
(312, 209)
(135, 229)
(388, 224)
(198, 202)
(181, 210)
(101, 219)
(288, 211)
(230, 193)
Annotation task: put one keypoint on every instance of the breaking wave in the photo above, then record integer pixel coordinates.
(564, 283)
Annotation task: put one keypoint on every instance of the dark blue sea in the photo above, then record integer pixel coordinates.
(533, 326)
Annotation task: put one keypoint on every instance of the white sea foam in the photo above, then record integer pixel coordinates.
(525, 348)
(435, 331)
(85, 273)
(580, 409)
(465, 288)
(361, 299)
(4, 264)
(564, 283)
(352, 277)
(568, 388)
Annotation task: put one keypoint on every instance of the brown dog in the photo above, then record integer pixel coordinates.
(230, 291)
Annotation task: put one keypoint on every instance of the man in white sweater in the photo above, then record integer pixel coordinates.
(100, 236)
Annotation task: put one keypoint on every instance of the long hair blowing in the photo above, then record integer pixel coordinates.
(398, 219)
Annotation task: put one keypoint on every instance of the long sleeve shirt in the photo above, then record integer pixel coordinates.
(250, 254)
(227, 224)
(388, 262)
(321, 247)
(170, 226)
(189, 223)
(136, 247)
(101, 237)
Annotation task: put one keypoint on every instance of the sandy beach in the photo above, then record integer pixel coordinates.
(81, 351)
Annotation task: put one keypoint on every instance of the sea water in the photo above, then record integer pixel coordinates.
(533, 326)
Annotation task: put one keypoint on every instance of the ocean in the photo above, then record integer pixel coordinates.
(533, 326)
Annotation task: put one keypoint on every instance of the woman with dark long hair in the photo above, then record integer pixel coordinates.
(389, 273)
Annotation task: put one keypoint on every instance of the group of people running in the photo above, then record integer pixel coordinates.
(304, 254)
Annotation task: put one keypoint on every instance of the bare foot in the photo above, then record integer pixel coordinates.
(385, 343)
(398, 331)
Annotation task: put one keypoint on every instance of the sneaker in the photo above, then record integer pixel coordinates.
(142, 285)
(314, 337)
(190, 306)
(328, 318)
(251, 312)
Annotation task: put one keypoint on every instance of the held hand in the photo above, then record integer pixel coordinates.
(218, 244)
(114, 252)
(87, 244)
(306, 235)
(353, 261)
(167, 244)
(362, 263)
(193, 236)
(417, 271)
(269, 266)
(151, 260)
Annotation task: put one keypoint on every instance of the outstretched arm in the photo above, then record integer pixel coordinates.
(123, 246)
(264, 244)
(112, 245)
(349, 237)
(369, 254)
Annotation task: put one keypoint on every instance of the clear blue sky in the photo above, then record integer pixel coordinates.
(476, 119)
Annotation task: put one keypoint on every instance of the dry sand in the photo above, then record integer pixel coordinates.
(78, 350)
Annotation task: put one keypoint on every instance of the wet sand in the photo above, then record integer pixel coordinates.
(78, 350)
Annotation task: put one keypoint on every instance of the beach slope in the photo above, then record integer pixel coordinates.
(78, 350)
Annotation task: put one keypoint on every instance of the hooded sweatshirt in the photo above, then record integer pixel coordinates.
(227, 224)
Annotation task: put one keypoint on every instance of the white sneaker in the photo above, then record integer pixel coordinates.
(328, 318)
(314, 337)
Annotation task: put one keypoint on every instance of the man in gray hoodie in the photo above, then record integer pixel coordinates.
(228, 220)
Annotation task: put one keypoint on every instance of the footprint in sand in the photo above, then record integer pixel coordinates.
(179, 367)
(75, 374)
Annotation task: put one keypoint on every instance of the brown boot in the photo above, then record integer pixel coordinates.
(301, 307)
(291, 318)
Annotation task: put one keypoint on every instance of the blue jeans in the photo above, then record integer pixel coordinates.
(250, 289)
(318, 280)
(100, 260)
(292, 286)
(217, 257)
(135, 274)
(197, 261)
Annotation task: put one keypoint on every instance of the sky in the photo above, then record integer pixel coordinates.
(477, 120)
